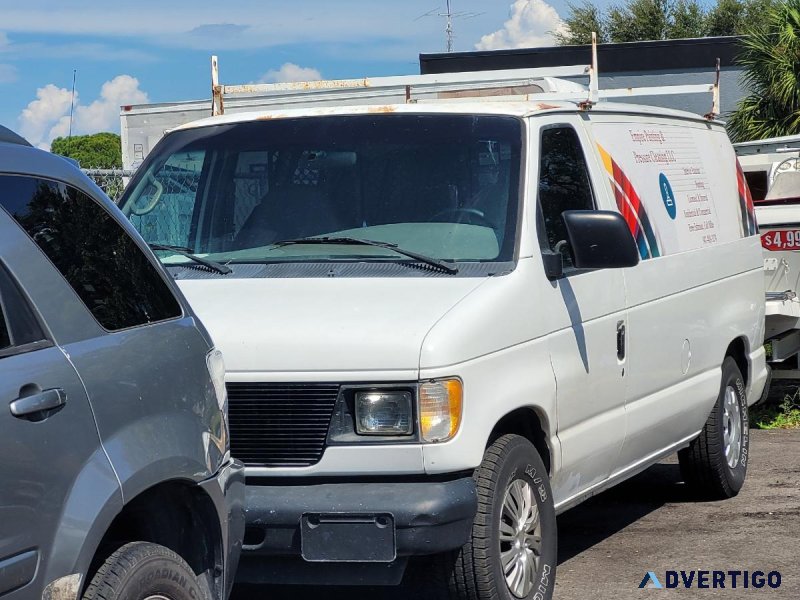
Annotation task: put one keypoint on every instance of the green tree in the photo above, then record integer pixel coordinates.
(771, 59)
(583, 19)
(639, 20)
(727, 17)
(687, 20)
(754, 11)
(96, 151)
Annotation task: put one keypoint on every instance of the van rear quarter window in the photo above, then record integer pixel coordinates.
(676, 185)
(99, 260)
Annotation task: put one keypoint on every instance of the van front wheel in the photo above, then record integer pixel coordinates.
(511, 554)
(715, 464)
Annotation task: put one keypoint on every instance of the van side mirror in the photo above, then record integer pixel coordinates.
(600, 239)
(553, 264)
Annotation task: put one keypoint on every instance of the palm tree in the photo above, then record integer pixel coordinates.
(771, 59)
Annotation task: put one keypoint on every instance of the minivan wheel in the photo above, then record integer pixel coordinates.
(511, 554)
(145, 571)
(715, 464)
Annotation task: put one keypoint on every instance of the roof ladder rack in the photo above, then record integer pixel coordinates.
(536, 84)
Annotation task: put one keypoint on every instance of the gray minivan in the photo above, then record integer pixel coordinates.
(116, 480)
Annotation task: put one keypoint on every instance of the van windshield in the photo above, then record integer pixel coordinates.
(442, 186)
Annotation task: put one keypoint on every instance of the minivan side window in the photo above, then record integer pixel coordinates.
(96, 256)
(20, 331)
(5, 339)
(564, 184)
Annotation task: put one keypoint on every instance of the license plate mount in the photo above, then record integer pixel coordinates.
(348, 537)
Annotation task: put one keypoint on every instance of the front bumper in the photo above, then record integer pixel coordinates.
(227, 491)
(429, 517)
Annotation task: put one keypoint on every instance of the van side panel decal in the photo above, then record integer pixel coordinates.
(749, 223)
(676, 184)
(631, 207)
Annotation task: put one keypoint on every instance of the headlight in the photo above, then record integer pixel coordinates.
(216, 370)
(440, 409)
(383, 413)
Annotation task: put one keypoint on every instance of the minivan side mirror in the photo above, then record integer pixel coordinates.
(600, 239)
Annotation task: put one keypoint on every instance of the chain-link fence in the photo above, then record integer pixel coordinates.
(111, 181)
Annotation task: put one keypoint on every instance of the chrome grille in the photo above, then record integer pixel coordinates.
(280, 424)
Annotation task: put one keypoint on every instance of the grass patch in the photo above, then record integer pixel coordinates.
(783, 415)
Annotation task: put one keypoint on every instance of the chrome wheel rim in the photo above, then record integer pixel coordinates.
(157, 597)
(520, 538)
(732, 427)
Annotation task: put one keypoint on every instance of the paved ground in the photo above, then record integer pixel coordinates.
(607, 544)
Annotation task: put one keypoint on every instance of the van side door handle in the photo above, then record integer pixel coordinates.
(38, 406)
(621, 340)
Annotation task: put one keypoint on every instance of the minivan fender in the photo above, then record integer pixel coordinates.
(94, 501)
(162, 447)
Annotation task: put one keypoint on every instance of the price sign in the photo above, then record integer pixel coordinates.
(786, 239)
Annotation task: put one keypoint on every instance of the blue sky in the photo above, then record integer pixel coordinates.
(158, 50)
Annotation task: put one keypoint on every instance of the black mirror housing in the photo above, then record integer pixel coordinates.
(600, 239)
(553, 264)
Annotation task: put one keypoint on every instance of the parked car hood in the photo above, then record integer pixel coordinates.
(337, 324)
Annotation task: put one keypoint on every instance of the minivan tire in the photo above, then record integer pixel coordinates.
(511, 466)
(705, 467)
(141, 570)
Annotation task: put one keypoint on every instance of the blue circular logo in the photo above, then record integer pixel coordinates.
(667, 196)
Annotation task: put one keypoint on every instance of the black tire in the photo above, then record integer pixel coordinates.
(475, 571)
(704, 465)
(140, 570)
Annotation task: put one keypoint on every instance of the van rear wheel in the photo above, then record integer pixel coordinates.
(511, 554)
(145, 571)
(715, 464)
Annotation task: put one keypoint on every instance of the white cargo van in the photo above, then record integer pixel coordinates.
(446, 323)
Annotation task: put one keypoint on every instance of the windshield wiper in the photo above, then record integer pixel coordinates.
(348, 241)
(183, 251)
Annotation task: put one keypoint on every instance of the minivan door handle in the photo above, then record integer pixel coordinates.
(39, 405)
(621, 340)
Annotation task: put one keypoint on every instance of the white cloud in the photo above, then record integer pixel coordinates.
(246, 23)
(47, 117)
(290, 72)
(103, 113)
(531, 24)
(91, 51)
(38, 117)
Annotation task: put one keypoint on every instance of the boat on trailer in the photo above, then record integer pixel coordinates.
(771, 168)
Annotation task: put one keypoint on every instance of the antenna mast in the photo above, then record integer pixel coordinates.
(449, 28)
(450, 16)
(71, 109)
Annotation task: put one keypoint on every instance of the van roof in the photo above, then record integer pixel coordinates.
(510, 108)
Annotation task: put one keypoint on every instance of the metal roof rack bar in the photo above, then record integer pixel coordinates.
(660, 90)
(452, 87)
(440, 83)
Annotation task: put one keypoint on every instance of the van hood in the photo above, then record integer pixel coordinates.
(313, 325)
